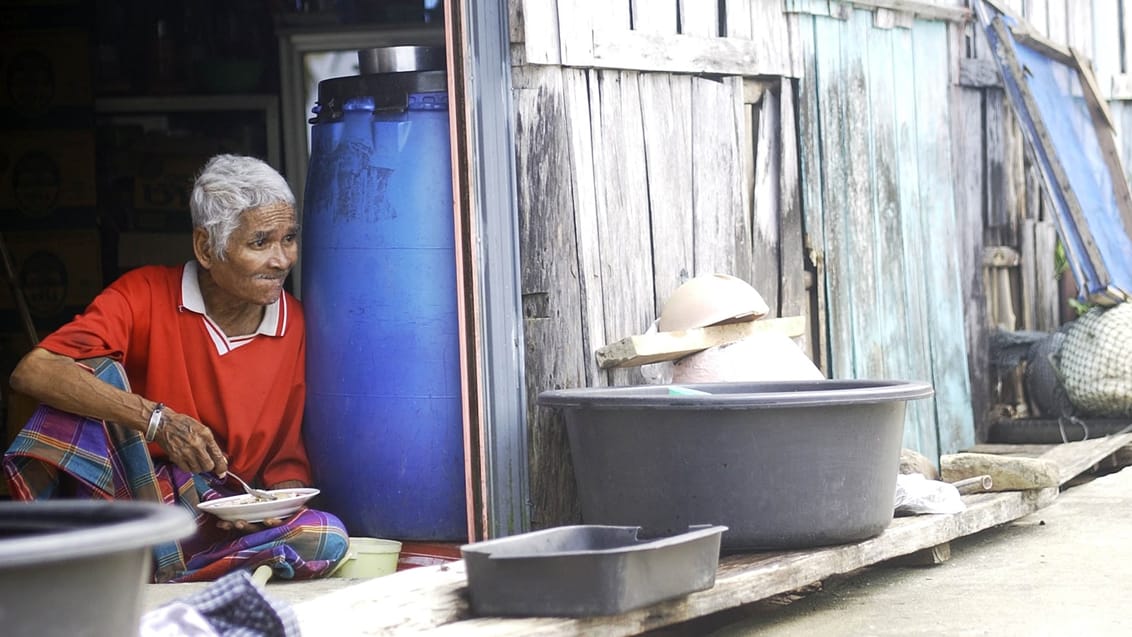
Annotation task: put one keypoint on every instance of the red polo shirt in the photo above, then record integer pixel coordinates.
(248, 389)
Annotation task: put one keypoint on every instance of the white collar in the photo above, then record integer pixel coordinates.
(274, 321)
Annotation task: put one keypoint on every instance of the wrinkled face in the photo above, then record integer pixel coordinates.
(260, 255)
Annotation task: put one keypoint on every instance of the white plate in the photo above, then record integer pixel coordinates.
(247, 508)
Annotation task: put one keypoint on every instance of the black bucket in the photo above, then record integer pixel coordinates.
(77, 567)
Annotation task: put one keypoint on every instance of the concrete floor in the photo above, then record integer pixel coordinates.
(1064, 570)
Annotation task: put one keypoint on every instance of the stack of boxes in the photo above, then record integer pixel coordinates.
(48, 186)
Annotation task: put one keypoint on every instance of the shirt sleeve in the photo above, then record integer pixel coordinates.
(103, 329)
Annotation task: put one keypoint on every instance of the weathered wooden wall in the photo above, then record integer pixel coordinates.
(880, 205)
(634, 177)
(856, 161)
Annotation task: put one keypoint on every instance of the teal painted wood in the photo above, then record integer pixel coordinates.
(859, 268)
(900, 307)
(920, 434)
(810, 161)
(954, 417)
(832, 111)
(887, 217)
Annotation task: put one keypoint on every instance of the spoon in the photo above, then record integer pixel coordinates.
(258, 494)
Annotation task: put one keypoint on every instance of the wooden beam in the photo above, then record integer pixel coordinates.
(1075, 458)
(656, 347)
(1046, 47)
(678, 53)
(918, 9)
(976, 73)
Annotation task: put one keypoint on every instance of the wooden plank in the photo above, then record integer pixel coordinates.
(770, 32)
(833, 107)
(575, 30)
(998, 121)
(1106, 33)
(1075, 458)
(1079, 28)
(954, 418)
(680, 53)
(737, 14)
(974, 73)
(1037, 14)
(550, 291)
(1043, 45)
(585, 183)
(623, 222)
(642, 349)
(920, 416)
(434, 600)
(810, 166)
(764, 211)
(1029, 275)
(1047, 301)
(967, 141)
(1057, 23)
(723, 235)
(795, 297)
(541, 44)
(869, 356)
(795, 37)
(654, 16)
(666, 111)
(925, 10)
(699, 18)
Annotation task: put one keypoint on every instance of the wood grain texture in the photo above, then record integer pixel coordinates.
(623, 220)
(954, 420)
(810, 165)
(721, 233)
(794, 296)
(766, 240)
(922, 415)
(551, 295)
(666, 115)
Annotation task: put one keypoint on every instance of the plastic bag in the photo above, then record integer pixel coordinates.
(915, 495)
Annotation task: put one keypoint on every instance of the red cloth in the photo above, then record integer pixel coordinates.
(249, 390)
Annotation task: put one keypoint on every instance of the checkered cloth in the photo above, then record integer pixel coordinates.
(232, 606)
(62, 455)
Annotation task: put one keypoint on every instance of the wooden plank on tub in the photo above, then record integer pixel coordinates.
(642, 349)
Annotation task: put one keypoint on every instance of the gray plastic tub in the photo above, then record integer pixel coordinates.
(76, 567)
(584, 570)
(782, 464)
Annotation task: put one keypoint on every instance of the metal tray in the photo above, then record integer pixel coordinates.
(584, 570)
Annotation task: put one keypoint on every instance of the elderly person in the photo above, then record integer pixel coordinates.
(174, 376)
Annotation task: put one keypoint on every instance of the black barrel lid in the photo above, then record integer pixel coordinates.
(390, 91)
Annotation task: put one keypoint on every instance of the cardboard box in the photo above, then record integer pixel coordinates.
(48, 180)
(47, 79)
(59, 274)
(162, 191)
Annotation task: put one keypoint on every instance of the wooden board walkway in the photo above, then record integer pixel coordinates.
(433, 600)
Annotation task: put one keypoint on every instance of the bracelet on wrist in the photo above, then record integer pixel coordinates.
(155, 417)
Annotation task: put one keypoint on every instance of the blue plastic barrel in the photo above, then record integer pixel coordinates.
(383, 421)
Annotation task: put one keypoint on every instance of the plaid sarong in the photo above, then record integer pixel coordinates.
(62, 455)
